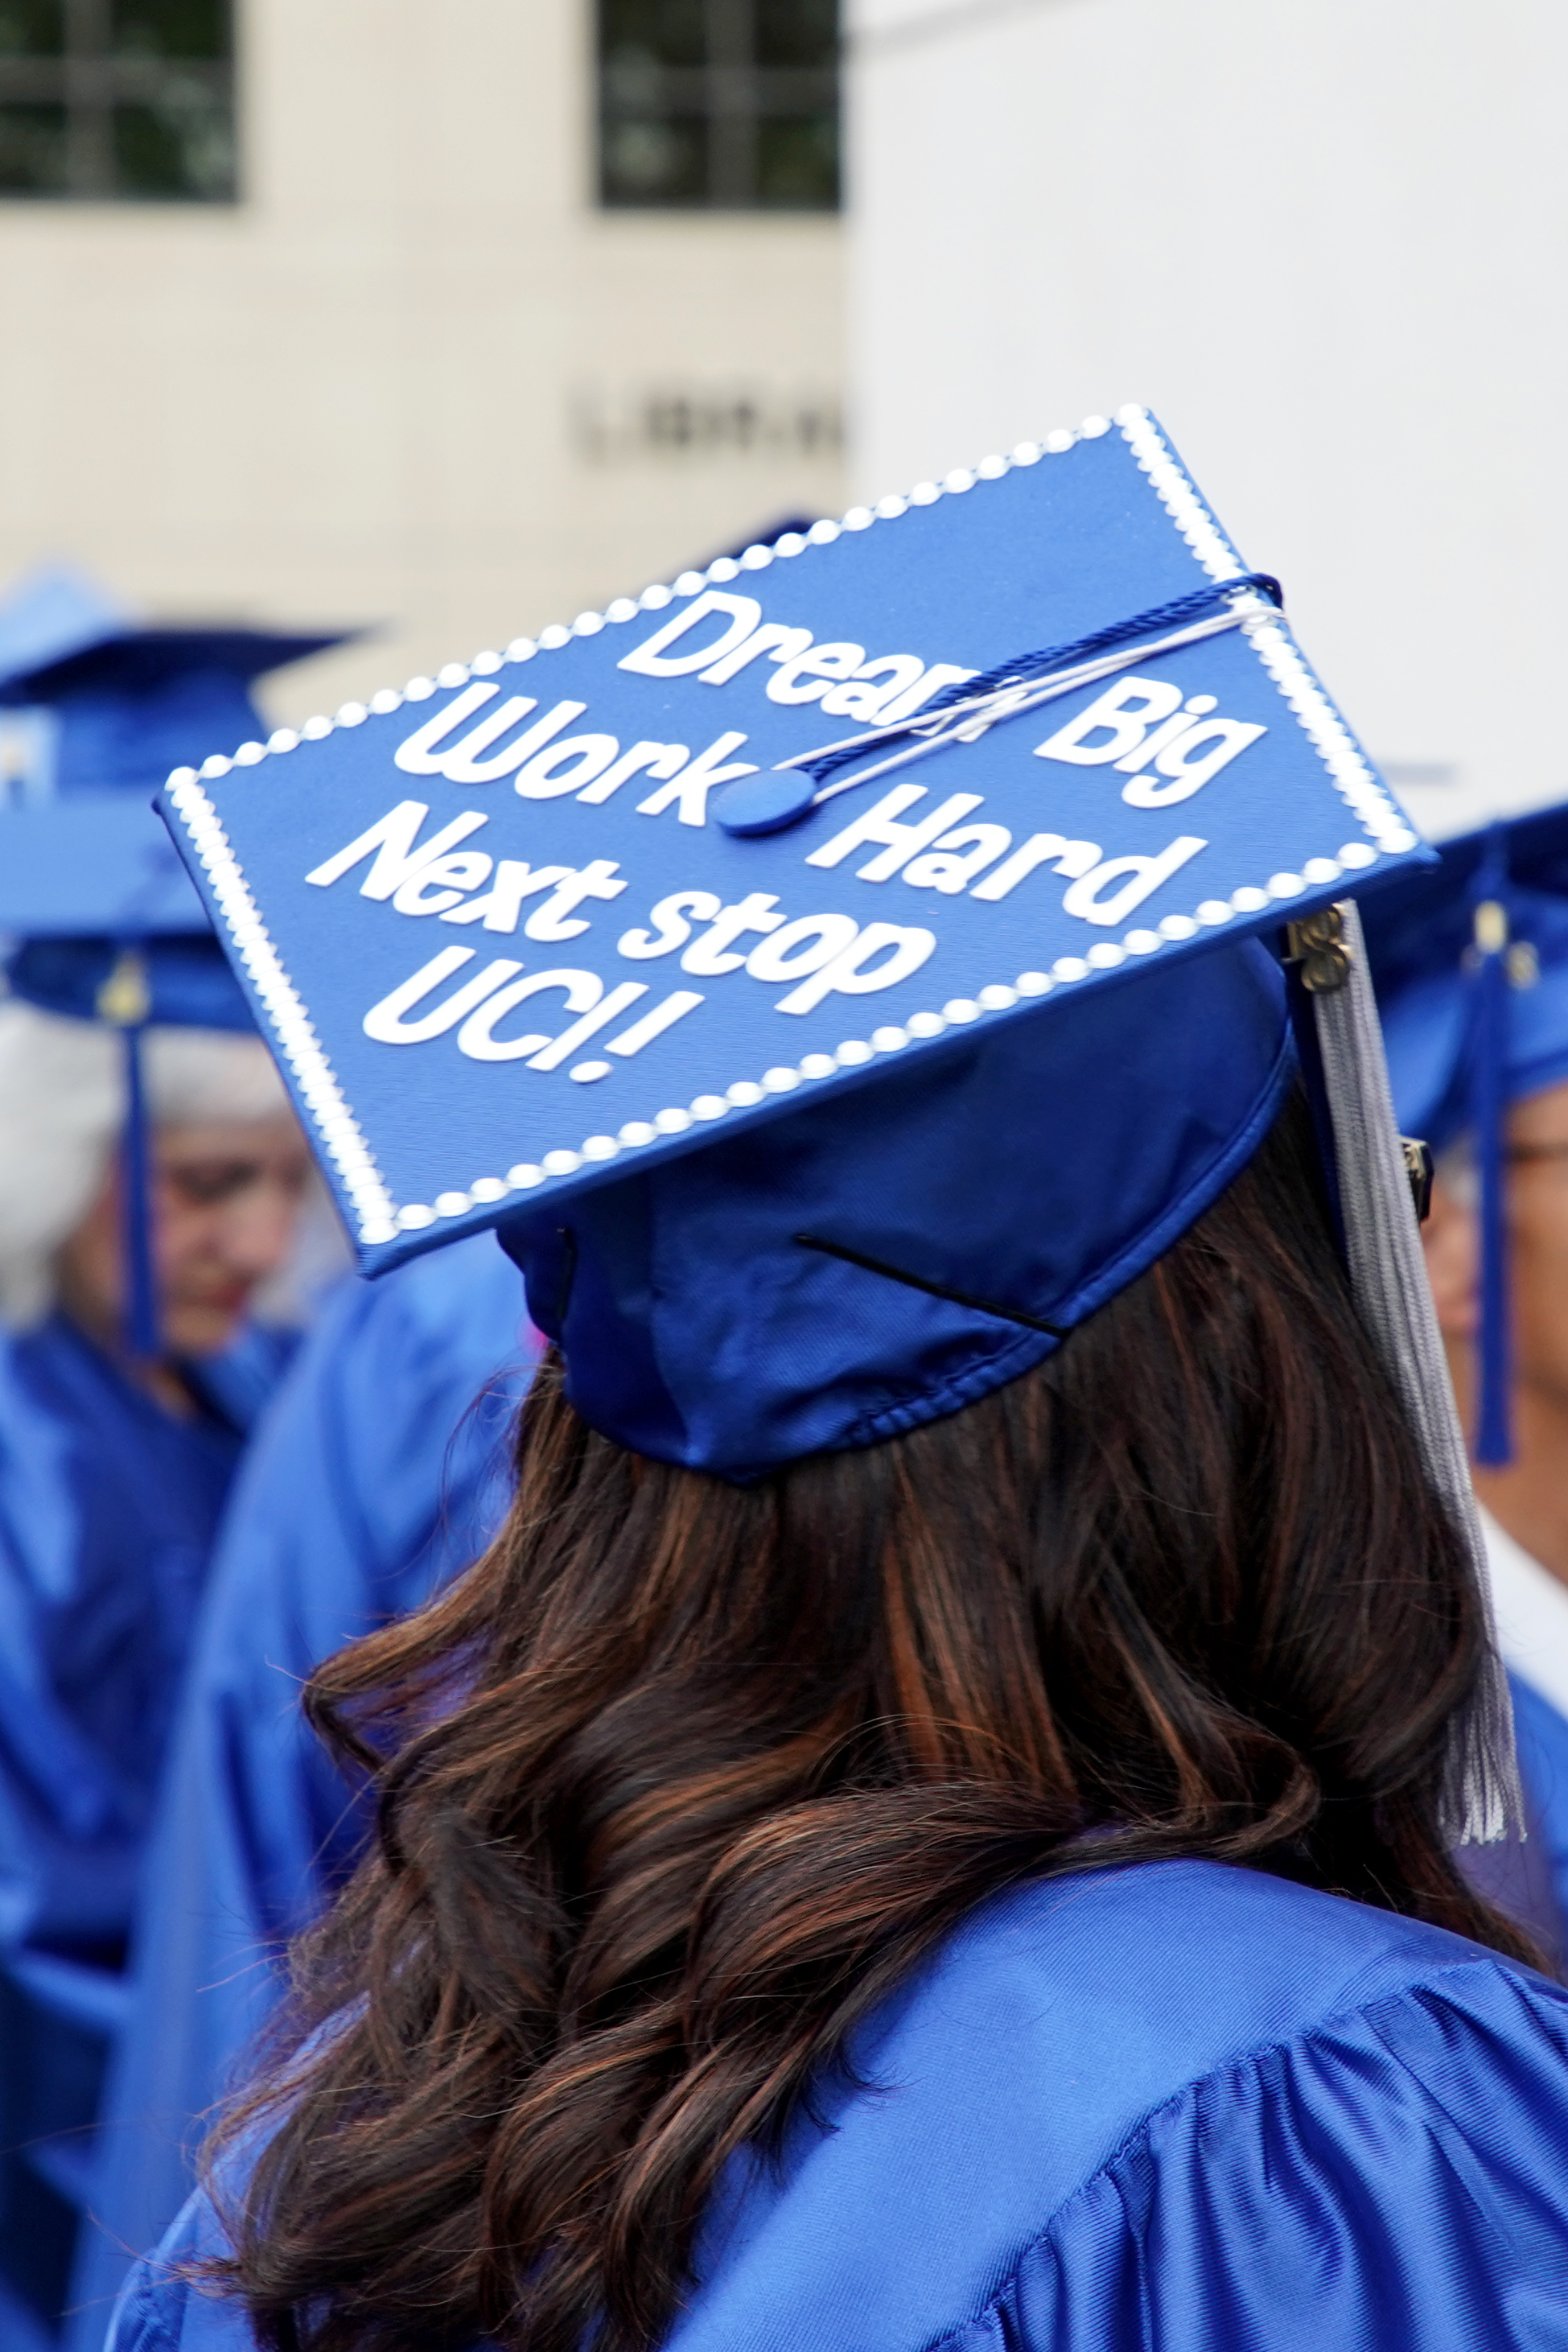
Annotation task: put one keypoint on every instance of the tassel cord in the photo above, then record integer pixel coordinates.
(141, 1319)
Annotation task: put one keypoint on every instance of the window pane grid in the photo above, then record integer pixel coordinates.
(728, 104)
(110, 100)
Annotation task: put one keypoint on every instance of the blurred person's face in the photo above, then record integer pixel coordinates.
(1538, 1253)
(226, 1199)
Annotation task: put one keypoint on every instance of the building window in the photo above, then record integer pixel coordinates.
(728, 104)
(117, 101)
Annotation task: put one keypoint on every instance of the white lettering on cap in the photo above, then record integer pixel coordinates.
(416, 754)
(1190, 760)
(1069, 857)
(476, 1037)
(598, 879)
(444, 882)
(818, 667)
(804, 946)
(687, 790)
(774, 638)
(387, 1020)
(834, 956)
(713, 952)
(957, 857)
(657, 759)
(399, 856)
(515, 880)
(1122, 715)
(875, 686)
(652, 657)
(847, 975)
(462, 764)
(670, 929)
(1146, 876)
(585, 995)
(420, 753)
(565, 767)
(1197, 706)
(897, 843)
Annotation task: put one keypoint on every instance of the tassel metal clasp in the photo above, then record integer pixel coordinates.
(125, 999)
(1318, 949)
(1492, 934)
(1420, 1169)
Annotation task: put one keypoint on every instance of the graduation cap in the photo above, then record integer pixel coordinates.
(101, 919)
(1470, 963)
(513, 932)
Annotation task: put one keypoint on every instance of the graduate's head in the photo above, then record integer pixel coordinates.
(227, 1163)
(1470, 961)
(691, 1768)
(95, 708)
(965, 1453)
(1535, 1148)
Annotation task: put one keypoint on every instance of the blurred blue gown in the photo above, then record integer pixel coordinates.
(108, 1508)
(384, 1467)
(1531, 1607)
(1178, 2108)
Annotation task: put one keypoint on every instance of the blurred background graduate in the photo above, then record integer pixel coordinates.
(1472, 965)
(152, 1180)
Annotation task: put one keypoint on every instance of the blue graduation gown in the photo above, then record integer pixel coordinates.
(1171, 2108)
(109, 1506)
(384, 1467)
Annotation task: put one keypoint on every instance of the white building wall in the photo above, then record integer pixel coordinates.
(1325, 241)
(405, 380)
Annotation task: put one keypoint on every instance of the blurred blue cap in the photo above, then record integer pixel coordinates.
(1421, 934)
(1469, 960)
(815, 1096)
(91, 700)
(95, 710)
(84, 879)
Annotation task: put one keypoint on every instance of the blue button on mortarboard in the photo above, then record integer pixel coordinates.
(765, 803)
(564, 912)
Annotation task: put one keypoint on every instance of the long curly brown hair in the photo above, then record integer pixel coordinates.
(683, 1777)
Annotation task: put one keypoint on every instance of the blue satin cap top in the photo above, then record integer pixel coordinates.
(863, 1265)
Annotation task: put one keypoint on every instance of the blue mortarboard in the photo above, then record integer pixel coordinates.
(91, 701)
(95, 708)
(101, 918)
(89, 881)
(1470, 962)
(967, 1007)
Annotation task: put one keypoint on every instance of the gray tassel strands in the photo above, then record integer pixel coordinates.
(1388, 1280)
